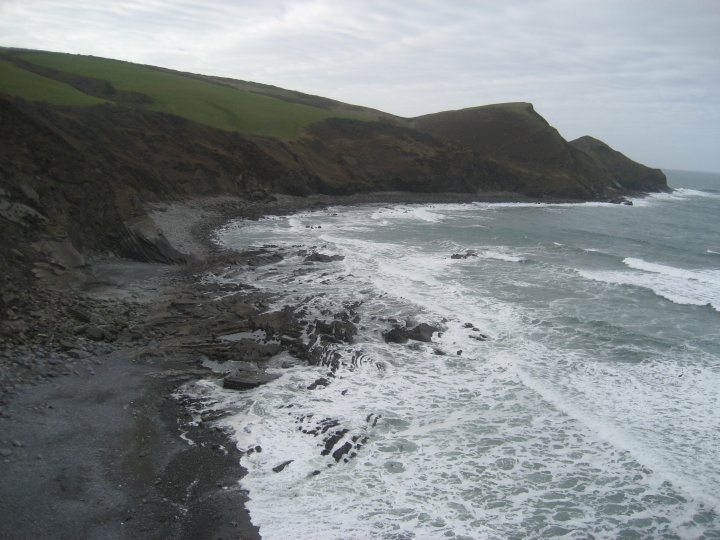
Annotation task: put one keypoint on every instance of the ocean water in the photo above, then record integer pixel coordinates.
(574, 390)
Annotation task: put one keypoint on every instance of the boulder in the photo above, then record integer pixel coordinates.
(421, 332)
(321, 257)
(279, 468)
(273, 322)
(143, 240)
(61, 253)
(341, 330)
(469, 253)
(20, 213)
(95, 333)
(321, 382)
(246, 380)
(79, 314)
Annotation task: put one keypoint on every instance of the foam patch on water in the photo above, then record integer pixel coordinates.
(704, 276)
(679, 285)
(500, 256)
(661, 412)
(465, 448)
(687, 192)
(678, 194)
(419, 213)
(521, 205)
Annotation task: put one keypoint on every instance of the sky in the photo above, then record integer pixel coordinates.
(644, 76)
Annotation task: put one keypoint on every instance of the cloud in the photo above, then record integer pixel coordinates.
(627, 71)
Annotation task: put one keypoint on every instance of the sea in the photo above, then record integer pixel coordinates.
(572, 390)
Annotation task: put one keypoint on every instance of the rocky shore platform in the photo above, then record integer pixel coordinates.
(92, 442)
(95, 440)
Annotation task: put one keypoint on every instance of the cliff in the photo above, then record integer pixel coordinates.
(87, 143)
(625, 173)
(538, 160)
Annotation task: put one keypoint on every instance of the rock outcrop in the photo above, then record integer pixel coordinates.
(535, 158)
(626, 174)
(401, 334)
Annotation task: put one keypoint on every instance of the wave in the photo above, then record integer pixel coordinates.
(678, 194)
(696, 287)
(488, 254)
(687, 192)
(451, 430)
(493, 205)
(678, 390)
(499, 254)
(703, 276)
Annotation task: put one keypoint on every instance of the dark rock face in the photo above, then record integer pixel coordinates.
(281, 466)
(396, 335)
(85, 174)
(533, 157)
(281, 322)
(245, 380)
(321, 257)
(319, 383)
(421, 332)
(625, 173)
(342, 330)
(94, 333)
(88, 172)
(466, 255)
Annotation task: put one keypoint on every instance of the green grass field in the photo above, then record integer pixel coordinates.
(18, 82)
(208, 103)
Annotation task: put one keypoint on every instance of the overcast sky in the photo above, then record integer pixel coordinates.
(644, 76)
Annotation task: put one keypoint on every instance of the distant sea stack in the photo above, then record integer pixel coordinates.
(88, 142)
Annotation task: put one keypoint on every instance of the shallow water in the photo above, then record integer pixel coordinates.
(590, 411)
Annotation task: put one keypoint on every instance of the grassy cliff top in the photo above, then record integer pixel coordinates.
(16, 81)
(233, 105)
(248, 108)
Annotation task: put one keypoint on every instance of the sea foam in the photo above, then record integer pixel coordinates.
(682, 286)
(501, 426)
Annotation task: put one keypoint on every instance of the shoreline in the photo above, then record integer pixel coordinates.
(92, 445)
(107, 452)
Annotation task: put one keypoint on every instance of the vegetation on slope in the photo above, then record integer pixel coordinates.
(338, 108)
(93, 141)
(15, 81)
(622, 170)
(199, 99)
(517, 137)
(505, 147)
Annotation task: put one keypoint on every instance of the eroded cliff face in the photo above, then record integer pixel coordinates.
(624, 172)
(497, 148)
(92, 170)
(346, 156)
(517, 137)
(85, 175)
